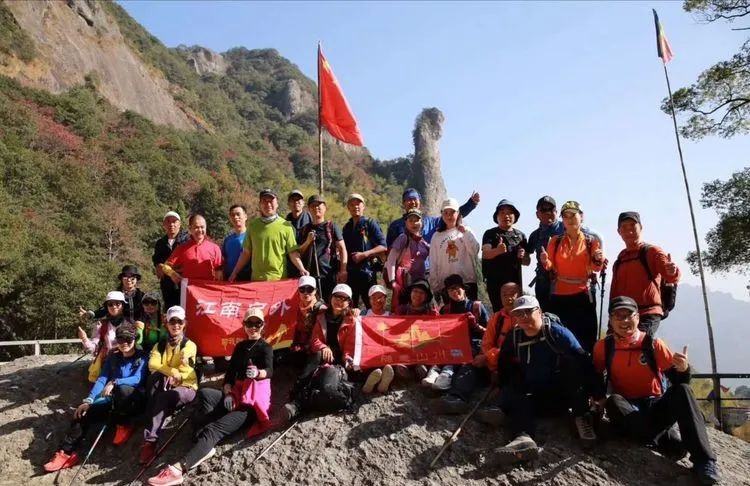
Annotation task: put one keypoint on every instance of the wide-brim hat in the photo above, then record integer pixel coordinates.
(129, 271)
(508, 203)
(455, 280)
(421, 284)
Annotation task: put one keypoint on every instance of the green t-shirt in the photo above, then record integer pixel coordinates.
(269, 244)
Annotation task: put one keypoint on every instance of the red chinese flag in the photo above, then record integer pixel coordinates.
(411, 340)
(335, 114)
(214, 313)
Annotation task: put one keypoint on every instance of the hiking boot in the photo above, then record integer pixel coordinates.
(522, 448)
(372, 380)
(168, 476)
(451, 405)
(387, 378)
(148, 452)
(205, 458)
(443, 381)
(123, 433)
(669, 444)
(490, 415)
(585, 428)
(707, 472)
(432, 375)
(61, 460)
(292, 410)
(420, 370)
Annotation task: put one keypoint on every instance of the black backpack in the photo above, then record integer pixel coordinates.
(667, 291)
(329, 391)
(647, 349)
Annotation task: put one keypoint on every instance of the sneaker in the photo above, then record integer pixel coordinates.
(292, 410)
(669, 444)
(372, 380)
(420, 370)
(432, 375)
(707, 472)
(148, 452)
(522, 448)
(585, 428)
(205, 458)
(451, 405)
(168, 476)
(387, 378)
(490, 415)
(61, 460)
(443, 381)
(122, 434)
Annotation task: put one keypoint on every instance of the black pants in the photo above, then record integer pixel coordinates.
(170, 292)
(649, 323)
(543, 291)
(493, 291)
(467, 380)
(126, 403)
(523, 407)
(215, 423)
(643, 420)
(360, 284)
(578, 313)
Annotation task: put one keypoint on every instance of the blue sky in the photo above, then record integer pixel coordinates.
(557, 98)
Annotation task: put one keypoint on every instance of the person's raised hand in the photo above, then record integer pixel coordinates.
(680, 360)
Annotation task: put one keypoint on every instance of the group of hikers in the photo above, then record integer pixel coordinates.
(541, 353)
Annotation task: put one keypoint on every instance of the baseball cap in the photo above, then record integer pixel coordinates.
(342, 289)
(267, 192)
(410, 193)
(414, 212)
(175, 311)
(256, 312)
(296, 194)
(623, 302)
(125, 332)
(316, 199)
(525, 302)
(172, 214)
(354, 195)
(546, 201)
(449, 203)
(306, 280)
(571, 205)
(628, 215)
(115, 295)
(375, 289)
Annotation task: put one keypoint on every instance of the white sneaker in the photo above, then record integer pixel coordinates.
(385, 382)
(432, 375)
(372, 380)
(443, 381)
(205, 458)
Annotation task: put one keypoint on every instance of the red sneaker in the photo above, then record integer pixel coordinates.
(168, 476)
(61, 460)
(148, 451)
(123, 434)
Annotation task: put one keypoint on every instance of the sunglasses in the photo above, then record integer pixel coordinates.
(124, 340)
(114, 303)
(524, 312)
(547, 210)
(339, 297)
(253, 324)
(176, 322)
(306, 289)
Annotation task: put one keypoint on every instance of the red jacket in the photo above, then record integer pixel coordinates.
(629, 278)
(495, 335)
(345, 335)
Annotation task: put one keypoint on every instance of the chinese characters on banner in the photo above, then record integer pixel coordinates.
(214, 312)
(411, 340)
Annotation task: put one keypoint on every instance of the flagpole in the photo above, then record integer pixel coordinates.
(711, 347)
(320, 129)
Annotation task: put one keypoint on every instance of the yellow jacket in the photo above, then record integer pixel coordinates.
(170, 360)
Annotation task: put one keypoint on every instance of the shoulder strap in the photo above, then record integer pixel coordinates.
(609, 354)
(647, 348)
(162, 345)
(643, 257)
(547, 334)
(476, 309)
(329, 234)
(558, 240)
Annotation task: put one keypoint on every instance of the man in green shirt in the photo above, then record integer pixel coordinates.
(268, 241)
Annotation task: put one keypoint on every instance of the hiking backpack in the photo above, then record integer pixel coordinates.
(328, 390)
(649, 355)
(668, 292)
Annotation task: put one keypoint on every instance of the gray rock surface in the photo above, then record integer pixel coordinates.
(77, 38)
(389, 439)
(205, 61)
(426, 175)
(293, 100)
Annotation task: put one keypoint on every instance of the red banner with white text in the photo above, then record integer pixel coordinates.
(214, 312)
(409, 340)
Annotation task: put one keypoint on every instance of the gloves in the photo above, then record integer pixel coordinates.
(229, 403)
(251, 372)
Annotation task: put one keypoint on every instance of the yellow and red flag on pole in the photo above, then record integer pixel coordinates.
(663, 49)
(334, 112)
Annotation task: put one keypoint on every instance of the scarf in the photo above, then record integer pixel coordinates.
(174, 340)
(269, 219)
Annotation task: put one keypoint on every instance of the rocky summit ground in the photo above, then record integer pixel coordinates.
(388, 439)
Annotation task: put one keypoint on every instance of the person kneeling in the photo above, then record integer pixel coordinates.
(639, 406)
(542, 370)
(173, 381)
(116, 395)
(244, 399)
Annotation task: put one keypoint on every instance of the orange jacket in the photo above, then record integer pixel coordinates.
(345, 335)
(495, 335)
(572, 264)
(630, 278)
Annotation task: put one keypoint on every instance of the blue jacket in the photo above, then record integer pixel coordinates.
(130, 371)
(363, 236)
(430, 224)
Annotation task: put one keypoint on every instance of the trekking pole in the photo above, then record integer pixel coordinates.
(70, 365)
(263, 452)
(159, 451)
(603, 277)
(317, 271)
(453, 437)
(101, 432)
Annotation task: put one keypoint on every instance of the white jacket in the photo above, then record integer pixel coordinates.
(453, 252)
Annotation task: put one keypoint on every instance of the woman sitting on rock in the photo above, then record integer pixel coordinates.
(244, 399)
